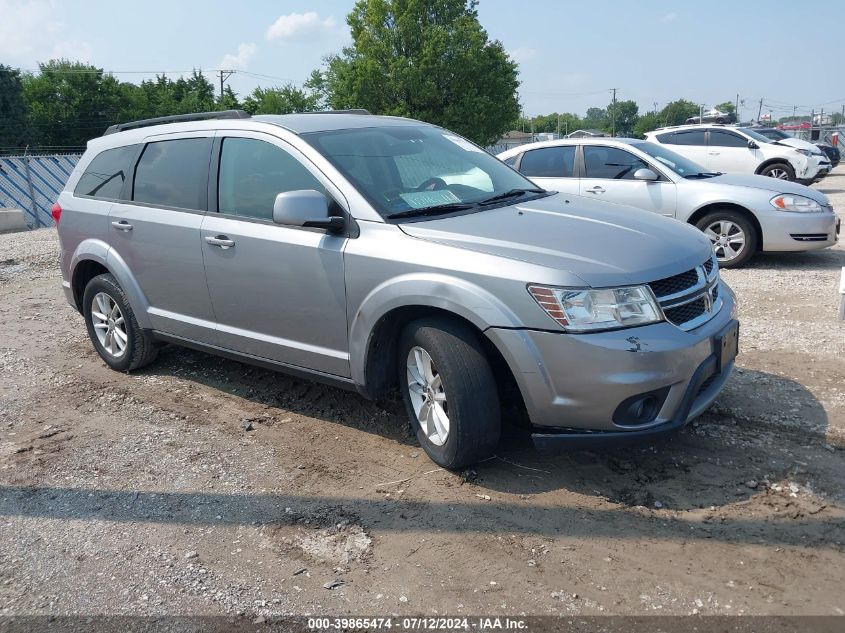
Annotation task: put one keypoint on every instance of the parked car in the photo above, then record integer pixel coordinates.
(832, 152)
(713, 116)
(350, 249)
(740, 213)
(738, 150)
(779, 136)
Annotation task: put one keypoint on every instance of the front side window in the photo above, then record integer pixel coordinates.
(105, 175)
(666, 157)
(691, 137)
(611, 163)
(414, 170)
(721, 138)
(549, 162)
(253, 173)
(174, 173)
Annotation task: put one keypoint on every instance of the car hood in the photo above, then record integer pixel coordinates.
(769, 185)
(602, 243)
(798, 143)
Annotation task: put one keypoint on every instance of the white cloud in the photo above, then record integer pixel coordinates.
(240, 60)
(30, 32)
(522, 54)
(669, 17)
(299, 25)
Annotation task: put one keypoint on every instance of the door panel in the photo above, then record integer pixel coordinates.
(609, 176)
(552, 168)
(158, 234)
(278, 292)
(729, 152)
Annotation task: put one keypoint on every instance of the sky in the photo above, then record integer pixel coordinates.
(570, 54)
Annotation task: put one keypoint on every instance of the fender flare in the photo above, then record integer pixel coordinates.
(97, 250)
(443, 292)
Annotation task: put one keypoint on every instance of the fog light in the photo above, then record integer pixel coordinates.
(640, 409)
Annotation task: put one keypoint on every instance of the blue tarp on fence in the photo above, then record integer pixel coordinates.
(33, 183)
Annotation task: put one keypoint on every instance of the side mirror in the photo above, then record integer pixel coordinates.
(752, 145)
(306, 208)
(645, 174)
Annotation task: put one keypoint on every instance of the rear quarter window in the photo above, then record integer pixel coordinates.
(105, 175)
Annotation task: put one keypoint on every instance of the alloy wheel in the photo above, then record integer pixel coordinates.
(428, 398)
(728, 239)
(778, 173)
(109, 324)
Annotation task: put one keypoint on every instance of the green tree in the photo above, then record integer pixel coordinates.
(229, 100)
(596, 118)
(427, 59)
(677, 112)
(727, 106)
(13, 123)
(625, 113)
(69, 102)
(646, 123)
(284, 100)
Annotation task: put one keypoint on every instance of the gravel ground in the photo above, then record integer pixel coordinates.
(145, 494)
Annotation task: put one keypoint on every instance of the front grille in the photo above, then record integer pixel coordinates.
(708, 266)
(809, 237)
(675, 284)
(714, 292)
(686, 312)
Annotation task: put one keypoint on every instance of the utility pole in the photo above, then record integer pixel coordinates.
(760, 110)
(224, 75)
(558, 125)
(736, 108)
(613, 115)
(655, 107)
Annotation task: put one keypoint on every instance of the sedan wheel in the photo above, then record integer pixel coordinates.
(109, 324)
(728, 240)
(778, 173)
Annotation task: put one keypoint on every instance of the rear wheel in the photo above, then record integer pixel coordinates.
(112, 326)
(781, 171)
(732, 235)
(449, 391)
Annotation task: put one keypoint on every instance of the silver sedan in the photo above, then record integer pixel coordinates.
(741, 214)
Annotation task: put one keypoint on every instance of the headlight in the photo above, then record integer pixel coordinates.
(797, 204)
(582, 310)
(805, 152)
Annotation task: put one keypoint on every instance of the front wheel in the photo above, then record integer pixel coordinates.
(449, 391)
(781, 171)
(732, 235)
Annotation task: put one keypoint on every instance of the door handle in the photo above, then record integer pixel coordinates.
(714, 153)
(595, 189)
(221, 240)
(123, 225)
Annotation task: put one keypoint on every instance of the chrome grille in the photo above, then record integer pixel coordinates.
(690, 298)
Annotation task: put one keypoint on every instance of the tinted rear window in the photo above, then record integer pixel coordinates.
(548, 162)
(105, 175)
(693, 137)
(174, 173)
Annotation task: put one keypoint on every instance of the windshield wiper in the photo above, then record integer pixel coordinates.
(704, 174)
(513, 193)
(436, 210)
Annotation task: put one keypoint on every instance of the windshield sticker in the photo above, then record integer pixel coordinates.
(422, 199)
(463, 144)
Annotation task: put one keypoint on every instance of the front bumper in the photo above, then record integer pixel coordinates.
(573, 385)
(784, 231)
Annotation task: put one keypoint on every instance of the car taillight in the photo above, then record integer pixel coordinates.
(56, 212)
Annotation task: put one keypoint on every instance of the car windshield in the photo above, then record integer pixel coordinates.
(417, 170)
(666, 157)
(755, 135)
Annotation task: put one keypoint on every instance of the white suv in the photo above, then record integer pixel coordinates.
(739, 150)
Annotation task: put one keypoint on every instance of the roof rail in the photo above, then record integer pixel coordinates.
(177, 118)
(350, 111)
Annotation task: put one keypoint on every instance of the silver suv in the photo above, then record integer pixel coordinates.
(376, 253)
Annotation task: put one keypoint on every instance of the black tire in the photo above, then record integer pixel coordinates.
(140, 348)
(472, 399)
(774, 168)
(738, 219)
